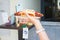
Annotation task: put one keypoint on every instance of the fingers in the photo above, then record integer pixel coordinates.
(29, 17)
(33, 19)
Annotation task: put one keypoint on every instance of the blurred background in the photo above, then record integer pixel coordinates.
(50, 9)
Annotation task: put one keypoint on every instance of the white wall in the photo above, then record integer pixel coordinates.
(29, 4)
(12, 6)
(8, 34)
(4, 5)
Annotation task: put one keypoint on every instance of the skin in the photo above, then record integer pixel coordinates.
(42, 35)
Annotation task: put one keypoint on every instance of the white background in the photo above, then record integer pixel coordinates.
(8, 34)
(29, 4)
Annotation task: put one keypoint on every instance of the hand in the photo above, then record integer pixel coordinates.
(35, 21)
(32, 19)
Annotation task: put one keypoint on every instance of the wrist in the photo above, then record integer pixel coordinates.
(40, 30)
(38, 26)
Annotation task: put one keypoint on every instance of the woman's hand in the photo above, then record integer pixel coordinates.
(35, 21)
(42, 34)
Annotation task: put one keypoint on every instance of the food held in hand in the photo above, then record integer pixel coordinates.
(17, 14)
(30, 12)
(37, 14)
(21, 16)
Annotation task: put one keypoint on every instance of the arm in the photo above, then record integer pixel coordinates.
(42, 35)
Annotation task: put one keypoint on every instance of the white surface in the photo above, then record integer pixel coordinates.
(25, 33)
(13, 7)
(3, 18)
(5, 5)
(0, 19)
(8, 34)
(29, 4)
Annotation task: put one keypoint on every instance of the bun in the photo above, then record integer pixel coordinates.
(30, 12)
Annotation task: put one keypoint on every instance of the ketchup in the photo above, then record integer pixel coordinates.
(37, 14)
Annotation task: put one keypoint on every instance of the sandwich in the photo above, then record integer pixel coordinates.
(30, 13)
